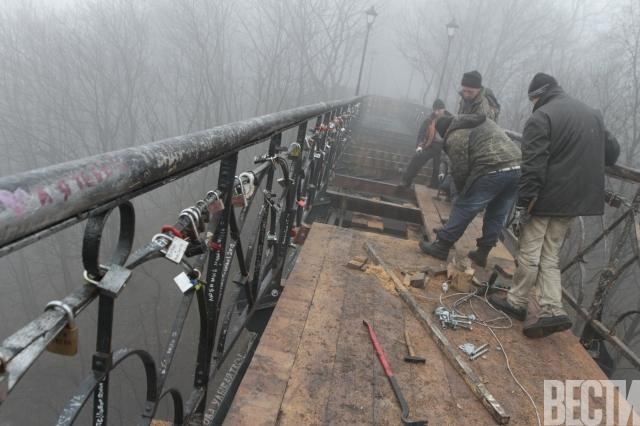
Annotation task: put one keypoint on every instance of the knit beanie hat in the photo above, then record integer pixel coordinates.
(443, 123)
(472, 79)
(540, 84)
(438, 104)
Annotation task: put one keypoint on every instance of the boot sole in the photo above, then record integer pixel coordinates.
(537, 332)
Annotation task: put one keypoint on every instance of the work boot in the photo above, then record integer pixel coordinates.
(438, 249)
(502, 304)
(545, 326)
(479, 255)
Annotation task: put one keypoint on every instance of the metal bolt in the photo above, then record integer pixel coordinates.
(274, 293)
(478, 354)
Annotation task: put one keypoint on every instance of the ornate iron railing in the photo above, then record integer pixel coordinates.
(204, 240)
(615, 249)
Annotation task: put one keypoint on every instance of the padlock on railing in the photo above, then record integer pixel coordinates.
(215, 203)
(295, 150)
(66, 342)
(243, 189)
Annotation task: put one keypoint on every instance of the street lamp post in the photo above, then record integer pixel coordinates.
(451, 31)
(371, 17)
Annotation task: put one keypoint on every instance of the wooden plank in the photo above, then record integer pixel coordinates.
(351, 381)
(308, 388)
(263, 386)
(429, 212)
(351, 386)
(376, 224)
(469, 376)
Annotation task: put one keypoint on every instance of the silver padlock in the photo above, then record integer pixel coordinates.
(238, 198)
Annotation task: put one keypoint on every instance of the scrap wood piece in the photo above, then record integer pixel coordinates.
(417, 280)
(472, 379)
(358, 262)
(461, 274)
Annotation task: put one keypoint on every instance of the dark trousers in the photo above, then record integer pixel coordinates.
(496, 193)
(432, 152)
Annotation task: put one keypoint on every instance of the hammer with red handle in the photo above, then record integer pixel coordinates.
(394, 383)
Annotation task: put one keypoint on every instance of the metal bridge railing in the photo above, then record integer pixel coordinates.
(614, 250)
(204, 240)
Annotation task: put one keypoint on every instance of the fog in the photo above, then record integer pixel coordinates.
(79, 78)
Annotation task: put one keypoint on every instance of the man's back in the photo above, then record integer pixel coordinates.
(564, 148)
(476, 147)
(490, 148)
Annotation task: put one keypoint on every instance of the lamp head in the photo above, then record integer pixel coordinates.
(371, 15)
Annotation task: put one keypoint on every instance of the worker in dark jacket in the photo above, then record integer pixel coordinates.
(485, 166)
(428, 147)
(565, 148)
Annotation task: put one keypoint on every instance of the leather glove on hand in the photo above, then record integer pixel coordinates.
(520, 218)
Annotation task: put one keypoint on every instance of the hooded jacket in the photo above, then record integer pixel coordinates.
(565, 146)
(477, 146)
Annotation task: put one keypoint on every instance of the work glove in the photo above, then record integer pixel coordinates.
(521, 217)
(419, 149)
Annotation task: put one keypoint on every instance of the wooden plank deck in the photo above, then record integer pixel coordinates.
(315, 363)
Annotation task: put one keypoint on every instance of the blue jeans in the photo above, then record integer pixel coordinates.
(494, 192)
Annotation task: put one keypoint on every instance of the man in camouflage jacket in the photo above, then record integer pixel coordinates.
(485, 165)
(476, 99)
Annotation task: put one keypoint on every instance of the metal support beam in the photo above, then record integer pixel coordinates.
(375, 208)
(369, 186)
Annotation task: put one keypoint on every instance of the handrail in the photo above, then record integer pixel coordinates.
(64, 193)
(207, 238)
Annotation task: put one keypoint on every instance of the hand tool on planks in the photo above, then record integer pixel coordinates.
(412, 354)
(394, 383)
(470, 377)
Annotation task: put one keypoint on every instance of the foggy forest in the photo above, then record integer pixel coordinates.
(79, 78)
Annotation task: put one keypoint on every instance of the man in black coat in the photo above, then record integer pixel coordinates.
(565, 147)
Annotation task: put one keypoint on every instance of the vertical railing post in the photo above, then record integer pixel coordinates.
(214, 284)
(274, 146)
(103, 358)
(297, 171)
(315, 154)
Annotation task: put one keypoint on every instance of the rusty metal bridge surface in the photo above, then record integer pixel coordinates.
(289, 188)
